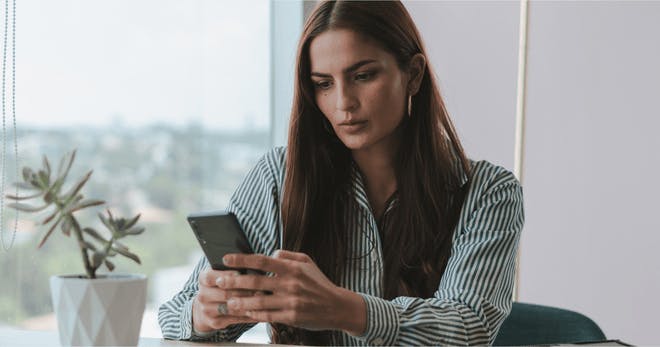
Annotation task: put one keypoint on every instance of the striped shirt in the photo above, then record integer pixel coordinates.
(473, 296)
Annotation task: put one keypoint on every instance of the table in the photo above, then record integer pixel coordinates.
(27, 338)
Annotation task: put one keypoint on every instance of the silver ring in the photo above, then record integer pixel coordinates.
(222, 309)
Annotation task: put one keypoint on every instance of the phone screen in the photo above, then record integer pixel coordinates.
(219, 233)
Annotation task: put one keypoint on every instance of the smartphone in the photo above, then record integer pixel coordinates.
(219, 233)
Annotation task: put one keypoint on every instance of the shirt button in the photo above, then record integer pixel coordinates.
(377, 341)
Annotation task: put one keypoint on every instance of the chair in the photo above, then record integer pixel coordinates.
(530, 324)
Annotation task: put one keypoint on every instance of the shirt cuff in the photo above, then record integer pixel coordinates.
(382, 322)
(186, 320)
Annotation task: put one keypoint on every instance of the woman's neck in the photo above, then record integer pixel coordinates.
(376, 166)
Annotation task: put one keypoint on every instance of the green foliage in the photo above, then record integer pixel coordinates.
(95, 248)
(160, 170)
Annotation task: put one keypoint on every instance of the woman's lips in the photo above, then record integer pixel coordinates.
(354, 126)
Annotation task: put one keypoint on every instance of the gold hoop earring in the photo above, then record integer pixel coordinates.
(409, 105)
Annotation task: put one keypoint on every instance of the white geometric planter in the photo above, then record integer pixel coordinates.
(106, 311)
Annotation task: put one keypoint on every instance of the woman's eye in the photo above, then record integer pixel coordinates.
(322, 84)
(364, 76)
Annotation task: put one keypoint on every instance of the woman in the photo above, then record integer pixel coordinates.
(392, 236)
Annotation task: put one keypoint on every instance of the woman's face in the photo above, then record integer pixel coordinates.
(359, 88)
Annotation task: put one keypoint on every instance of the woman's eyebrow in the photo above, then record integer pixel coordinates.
(348, 69)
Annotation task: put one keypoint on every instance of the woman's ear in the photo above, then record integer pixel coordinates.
(416, 73)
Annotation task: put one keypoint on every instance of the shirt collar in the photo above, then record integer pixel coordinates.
(357, 182)
(458, 168)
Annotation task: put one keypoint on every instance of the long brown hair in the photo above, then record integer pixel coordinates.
(417, 239)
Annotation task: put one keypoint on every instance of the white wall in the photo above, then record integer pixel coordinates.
(591, 163)
(473, 47)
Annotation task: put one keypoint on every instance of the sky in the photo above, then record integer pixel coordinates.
(101, 62)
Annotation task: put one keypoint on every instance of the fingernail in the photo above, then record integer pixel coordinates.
(218, 281)
(226, 260)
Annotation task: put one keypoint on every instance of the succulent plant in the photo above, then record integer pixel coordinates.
(95, 248)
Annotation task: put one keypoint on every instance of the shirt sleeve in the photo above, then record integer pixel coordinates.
(475, 292)
(256, 206)
(175, 316)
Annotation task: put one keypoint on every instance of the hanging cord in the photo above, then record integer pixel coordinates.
(6, 246)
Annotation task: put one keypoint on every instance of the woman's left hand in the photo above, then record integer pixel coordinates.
(302, 295)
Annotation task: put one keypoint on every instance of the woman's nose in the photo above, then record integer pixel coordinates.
(346, 98)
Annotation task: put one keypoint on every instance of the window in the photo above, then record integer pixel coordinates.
(168, 101)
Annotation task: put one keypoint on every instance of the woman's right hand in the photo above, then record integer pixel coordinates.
(206, 316)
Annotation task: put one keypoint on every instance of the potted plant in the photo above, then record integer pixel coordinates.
(91, 309)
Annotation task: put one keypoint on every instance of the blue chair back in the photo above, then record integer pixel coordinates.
(530, 324)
